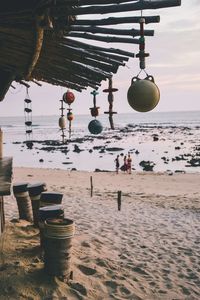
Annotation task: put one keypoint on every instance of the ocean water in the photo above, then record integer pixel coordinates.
(178, 137)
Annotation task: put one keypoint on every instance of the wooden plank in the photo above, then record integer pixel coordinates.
(5, 175)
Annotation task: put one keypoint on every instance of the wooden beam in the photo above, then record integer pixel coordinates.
(97, 48)
(106, 39)
(115, 21)
(119, 8)
(93, 29)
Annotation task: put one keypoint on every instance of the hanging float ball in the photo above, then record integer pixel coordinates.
(68, 97)
(62, 122)
(95, 127)
(94, 111)
(70, 116)
(143, 94)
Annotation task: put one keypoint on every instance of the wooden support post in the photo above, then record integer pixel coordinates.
(1, 143)
(91, 185)
(119, 202)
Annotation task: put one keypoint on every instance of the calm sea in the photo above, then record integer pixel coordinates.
(132, 132)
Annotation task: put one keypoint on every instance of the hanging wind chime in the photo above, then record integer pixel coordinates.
(143, 94)
(69, 98)
(28, 120)
(62, 121)
(110, 90)
(95, 126)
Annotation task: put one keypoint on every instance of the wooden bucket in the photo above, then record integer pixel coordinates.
(21, 194)
(35, 191)
(48, 212)
(58, 236)
(50, 198)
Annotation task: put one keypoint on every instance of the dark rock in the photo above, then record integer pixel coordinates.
(137, 152)
(41, 160)
(98, 147)
(90, 151)
(77, 149)
(147, 165)
(155, 138)
(99, 170)
(113, 149)
(73, 169)
(102, 151)
(177, 148)
(67, 163)
(179, 171)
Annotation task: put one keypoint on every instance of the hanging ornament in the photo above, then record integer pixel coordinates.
(69, 98)
(95, 126)
(28, 120)
(62, 122)
(110, 90)
(95, 109)
(143, 94)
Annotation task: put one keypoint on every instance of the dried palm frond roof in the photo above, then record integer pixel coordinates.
(38, 40)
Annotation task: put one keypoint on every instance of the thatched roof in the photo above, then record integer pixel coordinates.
(38, 40)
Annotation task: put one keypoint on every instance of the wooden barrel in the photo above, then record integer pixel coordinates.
(50, 198)
(21, 194)
(35, 191)
(58, 236)
(48, 212)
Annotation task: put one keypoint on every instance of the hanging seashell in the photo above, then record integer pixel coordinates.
(70, 116)
(95, 127)
(62, 122)
(143, 94)
(68, 97)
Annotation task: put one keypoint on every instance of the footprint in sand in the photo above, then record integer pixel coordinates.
(85, 244)
(79, 287)
(86, 270)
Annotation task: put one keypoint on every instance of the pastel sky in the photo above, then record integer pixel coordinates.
(174, 62)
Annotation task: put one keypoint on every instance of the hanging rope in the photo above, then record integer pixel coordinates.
(142, 54)
(28, 120)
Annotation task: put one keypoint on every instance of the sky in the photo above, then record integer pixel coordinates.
(174, 63)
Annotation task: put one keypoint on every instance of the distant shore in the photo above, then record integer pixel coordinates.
(148, 250)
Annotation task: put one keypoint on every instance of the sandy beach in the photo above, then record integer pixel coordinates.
(148, 250)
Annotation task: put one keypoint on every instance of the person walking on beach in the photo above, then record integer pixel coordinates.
(129, 162)
(124, 167)
(117, 164)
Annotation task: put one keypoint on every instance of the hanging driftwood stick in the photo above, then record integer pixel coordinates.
(92, 47)
(91, 186)
(141, 5)
(107, 39)
(94, 29)
(119, 201)
(115, 21)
